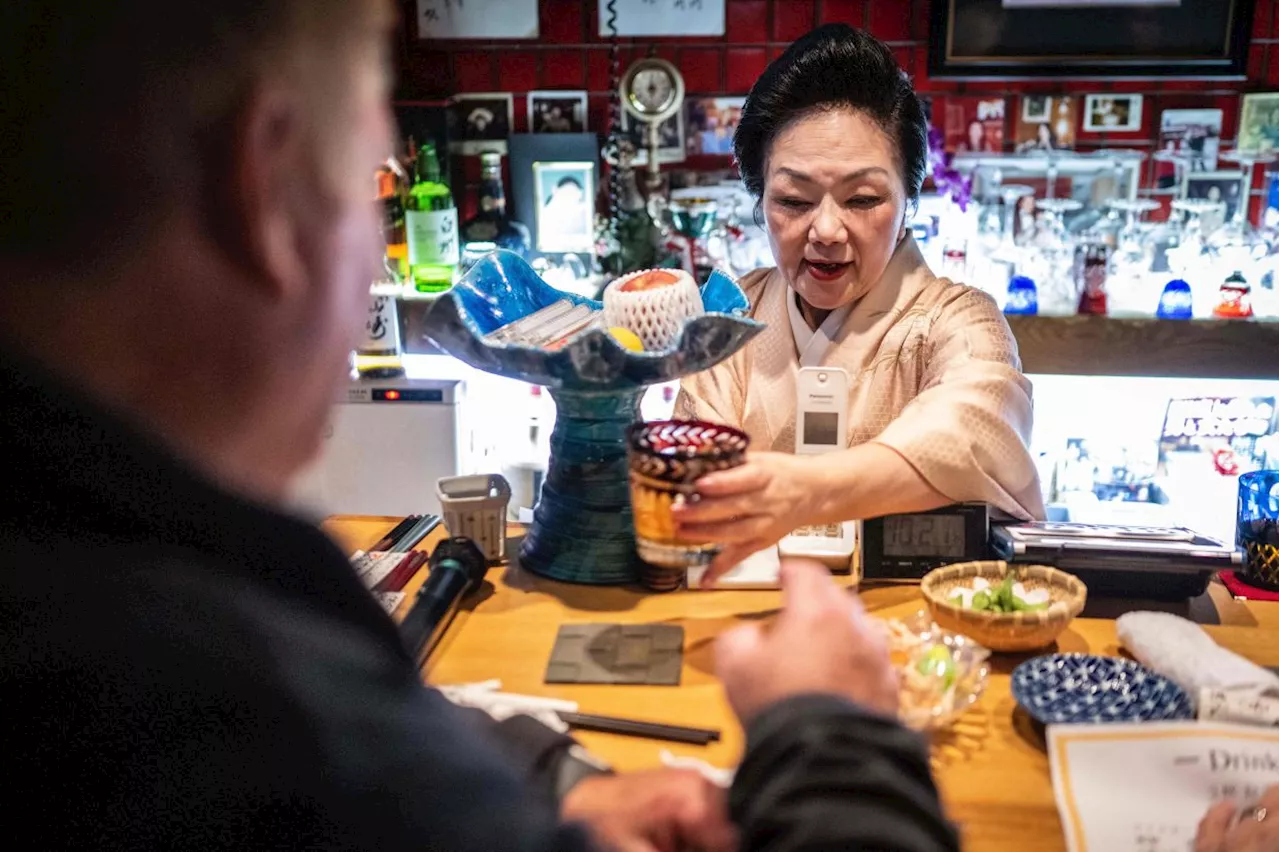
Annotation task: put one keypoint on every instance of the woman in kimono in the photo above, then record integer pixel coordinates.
(833, 145)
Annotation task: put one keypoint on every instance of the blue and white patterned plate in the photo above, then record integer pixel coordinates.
(1081, 688)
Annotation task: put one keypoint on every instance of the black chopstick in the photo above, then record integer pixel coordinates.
(393, 536)
(634, 728)
(416, 534)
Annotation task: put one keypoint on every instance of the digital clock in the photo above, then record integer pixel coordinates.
(906, 547)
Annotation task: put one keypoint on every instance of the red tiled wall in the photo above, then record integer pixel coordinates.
(569, 55)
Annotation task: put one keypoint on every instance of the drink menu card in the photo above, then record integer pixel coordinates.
(1145, 786)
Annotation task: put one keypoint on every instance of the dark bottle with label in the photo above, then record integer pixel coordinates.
(491, 224)
(1092, 260)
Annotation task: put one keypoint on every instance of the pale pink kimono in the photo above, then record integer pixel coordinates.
(933, 374)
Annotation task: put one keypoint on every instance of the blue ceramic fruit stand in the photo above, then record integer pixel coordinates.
(582, 529)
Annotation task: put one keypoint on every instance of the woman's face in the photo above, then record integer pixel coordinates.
(975, 135)
(834, 206)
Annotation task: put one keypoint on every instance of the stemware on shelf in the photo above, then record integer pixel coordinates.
(1052, 266)
(1189, 258)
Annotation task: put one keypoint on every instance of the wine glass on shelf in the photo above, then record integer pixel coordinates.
(1010, 195)
(1056, 257)
(1132, 259)
(1236, 243)
(1189, 259)
(1125, 164)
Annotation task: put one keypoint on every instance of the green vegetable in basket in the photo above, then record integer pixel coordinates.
(981, 601)
(1004, 595)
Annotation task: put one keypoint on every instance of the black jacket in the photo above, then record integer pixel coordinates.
(184, 669)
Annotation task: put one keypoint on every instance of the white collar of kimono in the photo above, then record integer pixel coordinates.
(812, 345)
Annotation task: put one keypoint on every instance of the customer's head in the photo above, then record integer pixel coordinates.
(833, 142)
(200, 177)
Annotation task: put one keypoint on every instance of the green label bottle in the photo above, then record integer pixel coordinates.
(431, 225)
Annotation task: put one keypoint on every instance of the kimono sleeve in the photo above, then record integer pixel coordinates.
(967, 431)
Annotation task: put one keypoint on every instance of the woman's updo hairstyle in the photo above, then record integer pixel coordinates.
(831, 67)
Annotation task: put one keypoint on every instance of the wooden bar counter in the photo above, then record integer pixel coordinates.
(991, 766)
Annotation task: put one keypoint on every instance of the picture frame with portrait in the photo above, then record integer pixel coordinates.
(1259, 123)
(1193, 135)
(565, 195)
(710, 124)
(526, 198)
(1112, 113)
(557, 112)
(480, 122)
(1045, 123)
(1225, 186)
(671, 145)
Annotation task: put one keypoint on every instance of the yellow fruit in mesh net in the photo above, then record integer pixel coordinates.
(627, 338)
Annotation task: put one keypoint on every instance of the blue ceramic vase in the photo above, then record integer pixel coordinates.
(582, 528)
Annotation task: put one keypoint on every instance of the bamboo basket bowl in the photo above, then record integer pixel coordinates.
(1001, 631)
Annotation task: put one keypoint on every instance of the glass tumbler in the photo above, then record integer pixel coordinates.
(1256, 527)
(666, 458)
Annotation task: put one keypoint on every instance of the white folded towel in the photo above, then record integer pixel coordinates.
(1181, 651)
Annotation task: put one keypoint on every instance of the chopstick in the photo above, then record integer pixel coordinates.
(402, 573)
(396, 532)
(416, 534)
(635, 728)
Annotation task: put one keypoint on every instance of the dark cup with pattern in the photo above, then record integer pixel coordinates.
(1256, 528)
(666, 460)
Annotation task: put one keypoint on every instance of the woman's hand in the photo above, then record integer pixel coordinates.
(1228, 828)
(751, 507)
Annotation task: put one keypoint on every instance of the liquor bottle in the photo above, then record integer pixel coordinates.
(392, 183)
(431, 222)
(1092, 265)
(491, 224)
(378, 355)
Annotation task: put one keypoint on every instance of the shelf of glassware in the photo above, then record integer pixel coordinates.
(1115, 346)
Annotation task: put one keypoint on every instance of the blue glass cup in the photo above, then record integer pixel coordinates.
(1175, 301)
(1022, 296)
(1256, 527)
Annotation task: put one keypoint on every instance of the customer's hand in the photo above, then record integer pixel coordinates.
(822, 641)
(750, 507)
(662, 810)
(1228, 828)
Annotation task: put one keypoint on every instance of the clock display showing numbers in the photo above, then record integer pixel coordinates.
(924, 535)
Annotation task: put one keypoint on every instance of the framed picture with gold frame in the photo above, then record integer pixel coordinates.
(1259, 123)
(974, 39)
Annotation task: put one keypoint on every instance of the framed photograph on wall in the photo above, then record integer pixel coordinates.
(553, 192)
(711, 123)
(1045, 123)
(1225, 186)
(670, 138)
(1089, 38)
(557, 112)
(1259, 123)
(565, 193)
(1193, 135)
(1112, 113)
(480, 122)
(973, 125)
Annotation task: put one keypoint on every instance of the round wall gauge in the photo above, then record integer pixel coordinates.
(652, 90)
